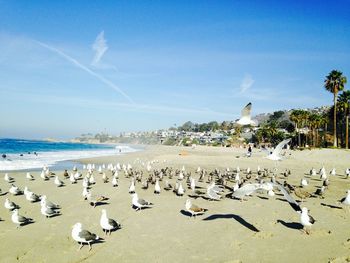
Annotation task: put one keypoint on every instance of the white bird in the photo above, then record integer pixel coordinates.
(333, 172)
(20, 220)
(271, 193)
(108, 224)
(83, 236)
(92, 179)
(58, 182)
(30, 196)
(157, 187)
(181, 176)
(48, 212)
(8, 178)
(276, 154)
(29, 176)
(346, 200)
(139, 203)
(180, 190)
(72, 179)
(246, 116)
(10, 205)
(15, 190)
(47, 203)
(212, 191)
(132, 187)
(85, 193)
(313, 172)
(306, 220)
(246, 189)
(77, 175)
(44, 176)
(304, 182)
(193, 209)
(347, 172)
(115, 181)
(193, 184)
(86, 182)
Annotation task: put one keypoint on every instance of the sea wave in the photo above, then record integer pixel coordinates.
(32, 161)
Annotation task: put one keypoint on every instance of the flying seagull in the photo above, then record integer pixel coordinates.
(246, 116)
(83, 236)
(276, 154)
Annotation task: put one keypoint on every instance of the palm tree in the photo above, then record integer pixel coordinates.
(295, 117)
(344, 106)
(334, 83)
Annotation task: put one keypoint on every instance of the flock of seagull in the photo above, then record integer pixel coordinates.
(229, 183)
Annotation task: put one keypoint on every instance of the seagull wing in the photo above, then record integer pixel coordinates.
(246, 190)
(245, 113)
(87, 235)
(280, 146)
(289, 198)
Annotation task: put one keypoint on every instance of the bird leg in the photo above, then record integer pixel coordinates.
(81, 245)
(90, 247)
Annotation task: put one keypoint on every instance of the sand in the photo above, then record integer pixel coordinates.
(261, 229)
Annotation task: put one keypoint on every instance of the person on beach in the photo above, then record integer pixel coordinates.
(249, 154)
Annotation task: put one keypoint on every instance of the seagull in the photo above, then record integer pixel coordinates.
(85, 193)
(333, 172)
(276, 154)
(92, 179)
(83, 236)
(289, 198)
(212, 191)
(18, 219)
(108, 224)
(303, 182)
(193, 209)
(47, 211)
(246, 189)
(30, 177)
(306, 220)
(44, 176)
(347, 172)
(157, 187)
(346, 200)
(246, 116)
(72, 179)
(132, 187)
(30, 196)
(10, 205)
(180, 190)
(15, 190)
(139, 203)
(114, 181)
(48, 203)
(58, 182)
(104, 178)
(313, 172)
(8, 178)
(95, 199)
(193, 184)
(320, 191)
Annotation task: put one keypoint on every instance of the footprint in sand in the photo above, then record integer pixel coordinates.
(263, 235)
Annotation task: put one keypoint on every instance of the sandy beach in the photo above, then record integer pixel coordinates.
(262, 229)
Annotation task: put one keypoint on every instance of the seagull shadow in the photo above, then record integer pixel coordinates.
(238, 218)
(292, 225)
(143, 208)
(186, 213)
(331, 206)
(99, 204)
(28, 223)
(55, 215)
(262, 197)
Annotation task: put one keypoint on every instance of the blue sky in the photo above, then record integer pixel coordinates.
(70, 67)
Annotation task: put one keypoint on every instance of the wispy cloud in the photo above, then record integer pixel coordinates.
(100, 47)
(86, 69)
(246, 83)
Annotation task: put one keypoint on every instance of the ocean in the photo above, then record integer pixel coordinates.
(18, 154)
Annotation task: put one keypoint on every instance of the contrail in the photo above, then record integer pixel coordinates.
(86, 69)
